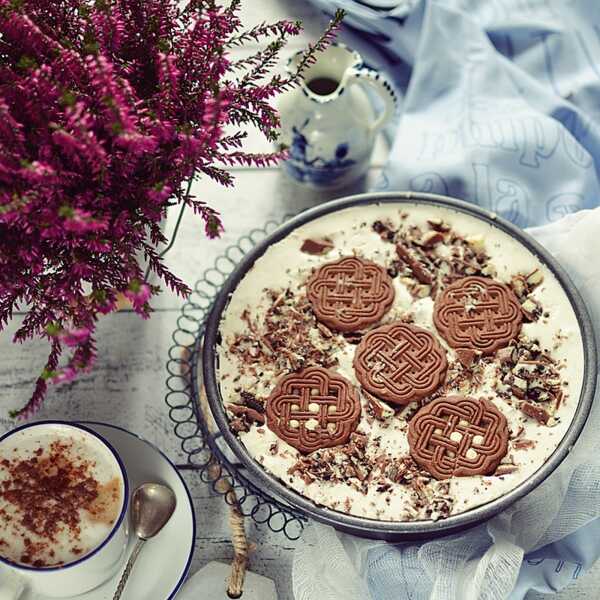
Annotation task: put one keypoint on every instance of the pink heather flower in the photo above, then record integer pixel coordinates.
(138, 294)
(81, 221)
(64, 375)
(160, 193)
(168, 74)
(74, 337)
(136, 143)
(38, 173)
(107, 110)
(104, 308)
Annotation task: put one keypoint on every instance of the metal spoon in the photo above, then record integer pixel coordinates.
(152, 505)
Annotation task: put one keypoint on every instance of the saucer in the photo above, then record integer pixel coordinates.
(165, 560)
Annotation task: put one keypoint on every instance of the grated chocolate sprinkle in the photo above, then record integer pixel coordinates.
(282, 339)
(427, 261)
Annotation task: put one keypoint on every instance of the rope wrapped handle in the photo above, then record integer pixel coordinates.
(241, 547)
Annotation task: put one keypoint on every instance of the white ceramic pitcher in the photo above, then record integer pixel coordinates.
(329, 123)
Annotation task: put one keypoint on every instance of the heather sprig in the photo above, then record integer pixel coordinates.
(109, 109)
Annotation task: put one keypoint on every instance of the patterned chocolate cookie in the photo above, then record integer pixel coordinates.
(478, 313)
(350, 293)
(313, 409)
(457, 436)
(400, 363)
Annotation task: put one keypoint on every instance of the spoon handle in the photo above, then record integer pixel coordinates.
(127, 572)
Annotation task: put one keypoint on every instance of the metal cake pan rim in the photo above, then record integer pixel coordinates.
(367, 527)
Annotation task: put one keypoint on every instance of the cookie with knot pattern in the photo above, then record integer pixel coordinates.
(400, 363)
(313, 409)
(350, 294)
(458, 436)
(478, 313)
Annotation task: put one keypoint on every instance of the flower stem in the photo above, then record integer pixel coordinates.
(176, 229)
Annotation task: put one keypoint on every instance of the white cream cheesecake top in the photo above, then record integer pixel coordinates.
(373, 476)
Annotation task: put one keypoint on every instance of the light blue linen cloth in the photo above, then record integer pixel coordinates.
(501, 107)
(501, 100)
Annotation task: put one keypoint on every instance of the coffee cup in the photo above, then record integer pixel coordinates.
(63, 503)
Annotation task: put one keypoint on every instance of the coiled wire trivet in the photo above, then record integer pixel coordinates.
(201, 442)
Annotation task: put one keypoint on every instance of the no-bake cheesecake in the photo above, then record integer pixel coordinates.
(400, 361)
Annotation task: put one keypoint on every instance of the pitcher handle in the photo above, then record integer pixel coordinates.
(383, 87)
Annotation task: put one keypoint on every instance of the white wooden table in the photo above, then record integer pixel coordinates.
(127, 386)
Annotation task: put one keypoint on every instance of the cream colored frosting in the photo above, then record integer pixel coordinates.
(283, 265)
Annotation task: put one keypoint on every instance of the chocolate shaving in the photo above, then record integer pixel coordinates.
(251, 401)
(385, 231)
(394, 269)
(517, 391)
(438, 225)
(559, 399)
(324, 330)
(504, 355)
(431, 239)
(316, 246)
(466, 356)
(353, 337)
(539, 414)
(246, 412)
(238, 425)
(531, 309)
(505, 470)
(378, 409)
(523, 444)
(418, 270)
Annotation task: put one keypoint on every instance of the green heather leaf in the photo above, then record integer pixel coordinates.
(66, 211)
(48, 374)
(68, 98)
(53, 329)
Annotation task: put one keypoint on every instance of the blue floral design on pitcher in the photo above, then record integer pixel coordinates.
(317, 170)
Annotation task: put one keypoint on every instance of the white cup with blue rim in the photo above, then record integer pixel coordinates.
(99, 563)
